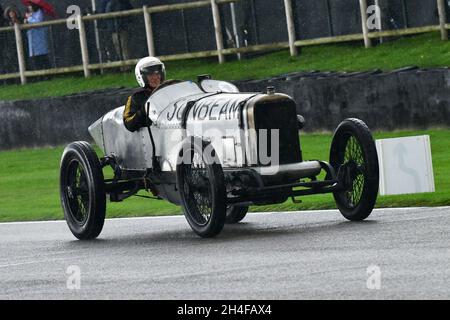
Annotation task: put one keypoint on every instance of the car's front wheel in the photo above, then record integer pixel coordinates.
(200, 181)
(82, 190)
(354, 157)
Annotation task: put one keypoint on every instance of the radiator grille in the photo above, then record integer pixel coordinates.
(281, 115)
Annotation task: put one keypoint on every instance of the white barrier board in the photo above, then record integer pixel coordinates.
(405, 165)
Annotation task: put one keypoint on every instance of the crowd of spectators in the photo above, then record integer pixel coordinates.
(37, 42)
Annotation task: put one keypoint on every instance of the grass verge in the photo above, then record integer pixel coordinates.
(424, 51)
(29, 183)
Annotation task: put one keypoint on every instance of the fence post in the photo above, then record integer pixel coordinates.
(83, 46)
(20, 53)
(290, 27)
(442, 19)
(365, 29)
(218, 30)
(149, 32)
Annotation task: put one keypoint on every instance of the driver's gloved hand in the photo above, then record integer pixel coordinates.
(142, 116)
(148, 122)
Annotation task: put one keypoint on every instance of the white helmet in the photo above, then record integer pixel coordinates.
(147, 66)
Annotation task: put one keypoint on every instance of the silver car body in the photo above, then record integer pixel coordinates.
(214, 116)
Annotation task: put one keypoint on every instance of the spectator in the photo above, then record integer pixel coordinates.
(12, 15)
(119, 26)
(8, 55)
(37, 39)
(101, 8)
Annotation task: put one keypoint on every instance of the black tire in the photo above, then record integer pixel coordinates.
(82, 190)
(202, 188)
(354, 157)
(235, 214)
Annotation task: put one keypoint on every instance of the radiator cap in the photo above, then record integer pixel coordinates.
(270, 90)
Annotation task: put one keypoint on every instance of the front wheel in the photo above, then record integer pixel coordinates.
(82, 190)
(354, 157)
(201, 184)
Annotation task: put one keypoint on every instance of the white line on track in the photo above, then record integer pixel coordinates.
(17, 264)
(250, 213)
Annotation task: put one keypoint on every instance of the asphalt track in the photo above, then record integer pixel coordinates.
(303, 255)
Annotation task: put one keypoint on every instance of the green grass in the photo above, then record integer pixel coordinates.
(29, 183)
(425, 51)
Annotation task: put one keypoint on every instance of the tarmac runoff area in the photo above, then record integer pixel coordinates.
(401, 253)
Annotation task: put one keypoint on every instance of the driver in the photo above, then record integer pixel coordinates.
(150, 74)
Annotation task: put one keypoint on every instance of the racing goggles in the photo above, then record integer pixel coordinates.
(158, 69)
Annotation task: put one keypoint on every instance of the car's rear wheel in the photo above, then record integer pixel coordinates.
(236, 214)
(201, 184)
(82, 190)
(354, 157)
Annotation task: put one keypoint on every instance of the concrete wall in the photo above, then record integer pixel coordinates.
(394, 100)
(54, 121)
(400, 99)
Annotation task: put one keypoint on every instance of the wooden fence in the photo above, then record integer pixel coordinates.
(220, 51)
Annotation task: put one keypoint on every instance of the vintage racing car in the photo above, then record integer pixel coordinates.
(207, 150)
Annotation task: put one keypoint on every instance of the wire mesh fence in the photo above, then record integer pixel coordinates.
(187, 30)
(8, 53)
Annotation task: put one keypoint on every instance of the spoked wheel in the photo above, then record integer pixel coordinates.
(77, 192)
(201, 185)
(82, 190)
(235, 214)
(354, 157)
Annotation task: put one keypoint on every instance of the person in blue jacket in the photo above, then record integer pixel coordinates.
(38, 48)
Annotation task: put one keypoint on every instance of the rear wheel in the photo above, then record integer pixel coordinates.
(354, 157)
(201, 185)
(235, 214)
(82, 190)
